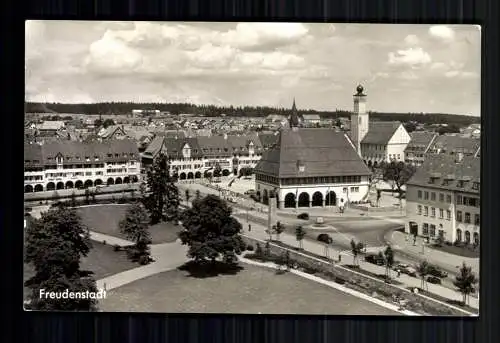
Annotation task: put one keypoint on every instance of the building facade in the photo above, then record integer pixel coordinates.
(311, 168)
(443, 198)
(376, 142)
(418, 147)
(69, 164)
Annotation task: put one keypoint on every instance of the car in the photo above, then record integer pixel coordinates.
(250, 192)
(435, 271)
(375, 259)
(434, 280)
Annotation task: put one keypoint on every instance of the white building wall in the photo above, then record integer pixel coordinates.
(397, 144)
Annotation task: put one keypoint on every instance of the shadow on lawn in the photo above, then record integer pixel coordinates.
(209, 269)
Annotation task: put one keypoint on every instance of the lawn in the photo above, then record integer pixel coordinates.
(102, 260)
(105, 218)
(252, 290)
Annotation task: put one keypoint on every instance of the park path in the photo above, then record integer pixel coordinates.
(167, 257)
(258, 232)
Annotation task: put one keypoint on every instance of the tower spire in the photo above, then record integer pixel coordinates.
(294, 117)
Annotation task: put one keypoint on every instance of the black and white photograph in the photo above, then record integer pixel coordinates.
(252, 168)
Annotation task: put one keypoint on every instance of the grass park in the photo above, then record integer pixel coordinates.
(249, 290)
(105, 218)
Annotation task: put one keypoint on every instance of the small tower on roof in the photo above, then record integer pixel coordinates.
(294, 117)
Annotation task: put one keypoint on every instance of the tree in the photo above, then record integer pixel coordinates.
(188, 196)
(211, 232)
(410, 127)
(389, 260)
(356, 249)
(73, 199)
(54, 245)
(197, 194)
(300, 233)
(217, 170)
(399, 173)
(423, 271)
(162, 202)
(465, 282)
(326, 239)
(135, 227)
(97, 123)
(87, 196)
(278, 229)
(108, 122)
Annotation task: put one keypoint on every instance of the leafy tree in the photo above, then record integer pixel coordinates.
(452, 128)
(326, 239)
(410, 127)
(211, 232)
(108, 122)
(389, 260)
(54, 245)
(399, 173)
(188, 196)
(356, 249)
(465, 282)
(300, 233)
(73, 199)
(135, 227)
(162, 203)
(197, 194)
(423, 271)
(217, 170)
(278, 229)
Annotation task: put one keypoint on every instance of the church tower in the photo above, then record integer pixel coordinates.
(359, 119)
(294, 118)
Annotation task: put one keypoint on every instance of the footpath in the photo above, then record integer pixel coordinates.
(258, 232)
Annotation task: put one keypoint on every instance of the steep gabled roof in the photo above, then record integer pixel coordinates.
(323, 152)
(380, 132)
(420, 140)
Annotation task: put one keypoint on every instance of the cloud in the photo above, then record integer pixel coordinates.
(461, 74)
(412, 57)
(412, 40)
(442, 32)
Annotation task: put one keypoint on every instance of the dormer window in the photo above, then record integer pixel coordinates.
(301, 166)
(59, 159)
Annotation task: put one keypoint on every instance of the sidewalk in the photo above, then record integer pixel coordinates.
(446, 261)
(258, 231)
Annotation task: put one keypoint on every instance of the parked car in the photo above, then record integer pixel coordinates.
(250, 192)
(434, 280)
(435, 271)
(375, 259)
(304, 216)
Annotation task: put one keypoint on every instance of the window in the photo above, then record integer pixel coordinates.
(441, 197)
(433, 196)
(419, 209)
(459, 200)
(441, 213)
(467, 218)
(419, 194)
(88, 173)
(448, 214)
(476, 219)
(459, 216)
(448, 199)
(426, 210)
(425, 229)
(399, 156)
(460, 184)
(426, 195)
(475, 186)
(433, 212)
(433, 230)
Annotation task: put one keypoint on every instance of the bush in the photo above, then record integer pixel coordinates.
(324, 238)
(303, 216)
(104, 242)
(143, 260)
(249, 247)
(340, 280)
(116, 247)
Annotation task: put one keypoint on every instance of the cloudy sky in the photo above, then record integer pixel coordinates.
(404, 68)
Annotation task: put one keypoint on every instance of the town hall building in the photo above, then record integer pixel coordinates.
(311, 167)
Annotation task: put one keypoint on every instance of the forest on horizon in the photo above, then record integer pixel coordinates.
(124, 108)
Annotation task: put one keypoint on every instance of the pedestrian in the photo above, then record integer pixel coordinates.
(399, 273)
(249, 227)
(340, 258)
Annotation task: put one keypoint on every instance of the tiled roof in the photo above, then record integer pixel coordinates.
(447, 144)
(380, 132)
(77, 152)
(323, 152)
(174, 147)
(268, 139)
(447, 173)
(51, 125)
(420, 140)
(311, 117)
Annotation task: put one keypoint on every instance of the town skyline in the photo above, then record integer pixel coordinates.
(408, 68)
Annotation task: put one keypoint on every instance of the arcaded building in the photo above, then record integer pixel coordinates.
(311, 167)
